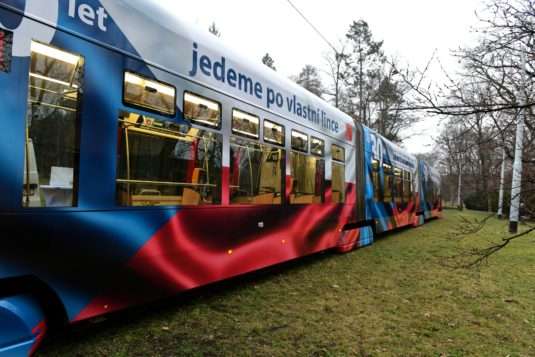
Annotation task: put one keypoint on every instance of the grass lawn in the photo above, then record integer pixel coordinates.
(394, 298)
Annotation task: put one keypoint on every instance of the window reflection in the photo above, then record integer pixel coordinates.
(150, 94)
(317, 146)
(388, 182)
(407, 186)
(308, 179)
(256, 173)
(245, 124)
(299, 141)
(201, 110)
(377, 183)
(162, 163)
(273, 133)
(338, 183)
(338, 153)
(398, 186)
(6, 47)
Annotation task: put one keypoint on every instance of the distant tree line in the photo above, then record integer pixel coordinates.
(482, 106)
(360, 82)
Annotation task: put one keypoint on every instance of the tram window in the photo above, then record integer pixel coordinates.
(308, 179)
(398, 186)
(389, 182)
(245, 124)
(201, 110)
(376, 177)
(299, 141)
(6, 45)
(52, 128)
(338, 153)
(317, 146)
(407, 186)
(256, 173)
(338, 183)
(434, 193)
(273, 133)
(149, 94)
(166, 164)
(428, 190)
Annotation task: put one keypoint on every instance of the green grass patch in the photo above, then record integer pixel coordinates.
(395, 298)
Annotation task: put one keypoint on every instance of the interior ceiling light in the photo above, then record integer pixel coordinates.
(139, 81)
(55, 53)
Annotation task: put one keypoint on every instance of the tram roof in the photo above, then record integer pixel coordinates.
(163, 38)
(142, 21)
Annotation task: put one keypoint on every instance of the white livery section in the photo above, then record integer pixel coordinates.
(199, 56)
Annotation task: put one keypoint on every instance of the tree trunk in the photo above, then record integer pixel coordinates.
(502, 179)
(459, 187)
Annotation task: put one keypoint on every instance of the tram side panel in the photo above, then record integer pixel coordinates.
(364, 218)
(390, 190)
(419, 217)
(430, 195)
(357, 231)
(98, 256)
(436, 210)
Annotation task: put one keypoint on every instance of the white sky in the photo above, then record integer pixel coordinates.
(411, 30)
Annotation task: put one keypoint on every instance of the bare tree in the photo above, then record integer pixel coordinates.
(336, 70)
(487, 96)
(214, 30)
(269, 61)
(309, 79)
(363, 63)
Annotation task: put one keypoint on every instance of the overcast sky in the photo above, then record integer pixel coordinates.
(411, 30)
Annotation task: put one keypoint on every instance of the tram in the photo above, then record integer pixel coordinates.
(141, 158)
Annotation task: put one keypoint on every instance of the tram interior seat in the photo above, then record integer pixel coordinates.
(297, 197)
(153, 197)
(198, 175)
(303, 199)
(59, 192)
(264, 199)
(190, 197)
